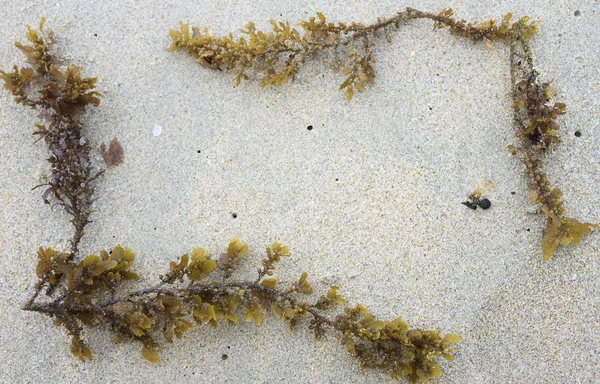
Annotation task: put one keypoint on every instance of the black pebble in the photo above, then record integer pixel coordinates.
(484, 203)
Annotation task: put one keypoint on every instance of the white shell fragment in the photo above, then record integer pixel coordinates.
(157, 130)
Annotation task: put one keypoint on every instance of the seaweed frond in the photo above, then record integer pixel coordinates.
(506, 30)
(60, 96)
(194, 291)
(275, 56)
(38, 52)
(535, 117)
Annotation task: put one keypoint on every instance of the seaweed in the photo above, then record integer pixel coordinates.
(277, 55)
(97, 290)
(61, 98)
(194, 291)
(537, 130)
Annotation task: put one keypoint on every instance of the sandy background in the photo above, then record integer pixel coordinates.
(369, 199)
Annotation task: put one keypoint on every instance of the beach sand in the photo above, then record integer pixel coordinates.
(369, 199)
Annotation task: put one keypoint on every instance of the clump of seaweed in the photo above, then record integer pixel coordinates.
(535, 118)
(195, 291)
(97, 290)
(60, 97)
(278, 54)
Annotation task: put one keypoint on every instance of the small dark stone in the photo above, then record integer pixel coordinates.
(484, 203)
(512, 193)
(310, 127)
(577, 13)
(577, 133)
(234, 215)
(224, 357)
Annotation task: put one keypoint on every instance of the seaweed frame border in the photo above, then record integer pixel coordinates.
(278, 54)
(198, 267)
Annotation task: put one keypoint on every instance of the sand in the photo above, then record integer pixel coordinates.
(369, 199)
